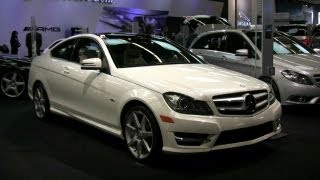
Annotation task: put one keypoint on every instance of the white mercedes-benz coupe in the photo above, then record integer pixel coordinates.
(152, 93)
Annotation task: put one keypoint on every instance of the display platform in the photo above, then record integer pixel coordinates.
(63, 148)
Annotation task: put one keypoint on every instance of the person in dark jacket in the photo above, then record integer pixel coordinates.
(14, 42)
(29, 43)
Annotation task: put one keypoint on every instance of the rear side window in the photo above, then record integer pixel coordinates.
(64, 50)
(53, 44)
(211, 42)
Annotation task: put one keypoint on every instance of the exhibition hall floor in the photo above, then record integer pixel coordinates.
(66, 149)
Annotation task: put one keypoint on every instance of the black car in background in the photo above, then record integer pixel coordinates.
(14, 73)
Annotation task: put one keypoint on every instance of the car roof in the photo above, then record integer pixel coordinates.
(115, 35)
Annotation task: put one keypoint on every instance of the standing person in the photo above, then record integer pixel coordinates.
(14, 42)
(29, 43)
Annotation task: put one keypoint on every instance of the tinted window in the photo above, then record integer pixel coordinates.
(211, 42)
(64, 50)
(53, 44)
(145, 51)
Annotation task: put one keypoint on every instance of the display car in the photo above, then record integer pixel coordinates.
(153, 93)
(13, 75)
(309, 34)
(297, 67)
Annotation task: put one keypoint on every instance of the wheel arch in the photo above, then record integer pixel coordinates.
(136, 102)
(36, 82)
(132, 103)
(267, 78)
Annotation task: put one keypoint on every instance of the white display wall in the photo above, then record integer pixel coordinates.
(16, 15)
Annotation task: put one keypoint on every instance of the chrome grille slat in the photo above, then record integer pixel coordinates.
(237, 99)
(260, 95)
(262, 103)
(317, 79)
(243, 103)
(230, 108)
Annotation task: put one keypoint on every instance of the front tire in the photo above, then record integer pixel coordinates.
(141, 132)
(41, 103)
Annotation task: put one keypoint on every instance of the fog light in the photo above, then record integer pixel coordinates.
(300, 99)
(277, 124)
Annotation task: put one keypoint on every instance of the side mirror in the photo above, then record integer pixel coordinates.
(91, 64)
(242, 52)
(317, 50)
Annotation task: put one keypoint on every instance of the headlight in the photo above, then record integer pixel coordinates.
(296, 77)
(272, 97)
(186, 105)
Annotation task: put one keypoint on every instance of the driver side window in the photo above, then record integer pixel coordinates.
(235, 42)
(86, 48)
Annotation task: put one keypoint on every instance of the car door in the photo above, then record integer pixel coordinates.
(89, 90)
(231, 60)
(210, 47)
(58, 73)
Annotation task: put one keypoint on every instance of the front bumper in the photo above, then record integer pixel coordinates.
(294, 93)
(210, 129)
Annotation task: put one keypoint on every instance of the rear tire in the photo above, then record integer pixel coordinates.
(141, 132)
(13, 84)
(41, 104)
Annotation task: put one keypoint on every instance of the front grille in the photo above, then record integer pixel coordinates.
(244, 103)
(244, 134)
(317, 79)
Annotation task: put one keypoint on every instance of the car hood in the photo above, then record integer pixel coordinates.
(304, 62)
(200, 81)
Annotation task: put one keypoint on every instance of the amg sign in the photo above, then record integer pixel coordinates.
(44, 29)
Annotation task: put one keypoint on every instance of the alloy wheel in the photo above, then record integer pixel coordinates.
(13, 84)
(39, 102)
(139, 134)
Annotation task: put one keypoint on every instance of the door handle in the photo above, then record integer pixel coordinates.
(66, 70)
(223, 58)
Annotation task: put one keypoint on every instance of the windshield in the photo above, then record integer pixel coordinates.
(281, 44)
(136, 51)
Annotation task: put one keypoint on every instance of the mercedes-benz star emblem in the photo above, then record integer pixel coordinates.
(249, 103)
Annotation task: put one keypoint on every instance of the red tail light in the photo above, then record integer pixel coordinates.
(306, 41)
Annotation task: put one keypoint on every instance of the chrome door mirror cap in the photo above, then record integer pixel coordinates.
(317, 50)
(91, 64)
(242, 52)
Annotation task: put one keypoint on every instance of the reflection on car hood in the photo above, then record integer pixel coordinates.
(199, 81)
(304, 62)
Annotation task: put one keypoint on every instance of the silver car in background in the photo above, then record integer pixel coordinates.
(297, 76)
